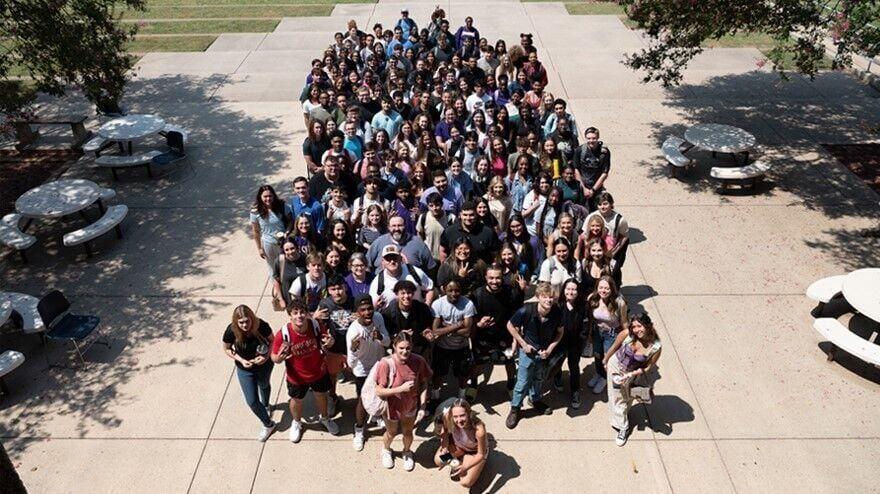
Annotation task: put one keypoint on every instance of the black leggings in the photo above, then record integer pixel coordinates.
(573, 356)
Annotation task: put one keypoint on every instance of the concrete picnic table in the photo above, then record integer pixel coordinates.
(130, 128)
(58, 199)
(720, 138)
(26, 306)
(861, 289)
(5, 310)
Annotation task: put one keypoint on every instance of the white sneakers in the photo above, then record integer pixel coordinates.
(330, 425)
(599, 386)
(409, 463)
(296, 431)
(266, 432)
(358, 441)
(387, 458)
(620, 440)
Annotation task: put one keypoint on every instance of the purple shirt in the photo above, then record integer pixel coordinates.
(355, 288)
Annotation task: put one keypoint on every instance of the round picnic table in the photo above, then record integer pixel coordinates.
(720, 138)
(861, 289)
(58, 199)
(130, 128)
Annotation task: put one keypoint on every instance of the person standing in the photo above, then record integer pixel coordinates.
(574, 325)
(301, 346)
(593, 162)
(366, 340)
(269, 217)
(607, 311)
(247, 340)
(408, 315)
(406, 391)
(453, 325)
(495, 303)
(336, 312)
(632, 362)
(537, 329)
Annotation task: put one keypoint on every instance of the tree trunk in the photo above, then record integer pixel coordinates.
(10, 483)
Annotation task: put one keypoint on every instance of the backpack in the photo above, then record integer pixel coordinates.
(418, 279)
(424, 217)
(373, 404)
(303, 282)
(285, 334)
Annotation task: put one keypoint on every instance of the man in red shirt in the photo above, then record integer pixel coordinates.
(301, 345)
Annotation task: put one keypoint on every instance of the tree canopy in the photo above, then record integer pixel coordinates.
(678, 28)
(64, 43)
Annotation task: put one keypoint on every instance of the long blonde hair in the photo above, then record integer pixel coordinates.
(449, 423)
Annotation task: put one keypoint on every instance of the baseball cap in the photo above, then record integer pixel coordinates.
(390, 250)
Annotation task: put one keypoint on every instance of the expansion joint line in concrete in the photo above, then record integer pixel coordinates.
(687, 378)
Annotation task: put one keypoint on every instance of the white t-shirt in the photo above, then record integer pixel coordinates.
(451, 313)
(476, 102)
(527, 203)
(622, 225)
(555, 272)
(370, 350)
(365, 202)
(424, 283)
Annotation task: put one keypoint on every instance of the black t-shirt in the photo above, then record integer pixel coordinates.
(574, 324)
(483, 239)
(537, 333)
(291, 271)
(248, 349)
(500, 305)
(318, 184)
(315, 149)
(592, 163)
(418, 319)
(341, 316)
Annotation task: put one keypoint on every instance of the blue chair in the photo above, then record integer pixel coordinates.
(63, 326)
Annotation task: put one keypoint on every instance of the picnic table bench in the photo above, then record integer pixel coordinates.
(27, 135)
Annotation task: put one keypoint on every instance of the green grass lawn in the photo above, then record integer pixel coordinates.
(171, 43)
(209, 27)
(178, 3)
(196, 20)
(227, 11)
(593, 8)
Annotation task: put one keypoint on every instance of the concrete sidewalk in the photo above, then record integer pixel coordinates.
(746, 402)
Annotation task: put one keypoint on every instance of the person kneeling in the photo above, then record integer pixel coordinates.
(463, 443)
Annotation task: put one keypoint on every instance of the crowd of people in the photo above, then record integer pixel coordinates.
(453, 219)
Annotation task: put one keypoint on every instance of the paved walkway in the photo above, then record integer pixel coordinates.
(746, 403)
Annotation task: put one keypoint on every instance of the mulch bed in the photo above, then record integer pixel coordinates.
(861, 159)
(22, 171)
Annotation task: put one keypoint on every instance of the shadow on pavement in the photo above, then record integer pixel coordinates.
(154, 286)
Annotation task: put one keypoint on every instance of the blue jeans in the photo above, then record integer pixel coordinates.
(602, 341)
(256, 386)
(528, 379)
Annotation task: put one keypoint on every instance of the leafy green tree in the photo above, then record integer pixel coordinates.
(67, 43)
(677, 28)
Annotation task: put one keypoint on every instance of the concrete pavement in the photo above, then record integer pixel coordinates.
(746, 403)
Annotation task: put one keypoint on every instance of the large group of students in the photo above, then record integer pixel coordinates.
(453, 219)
